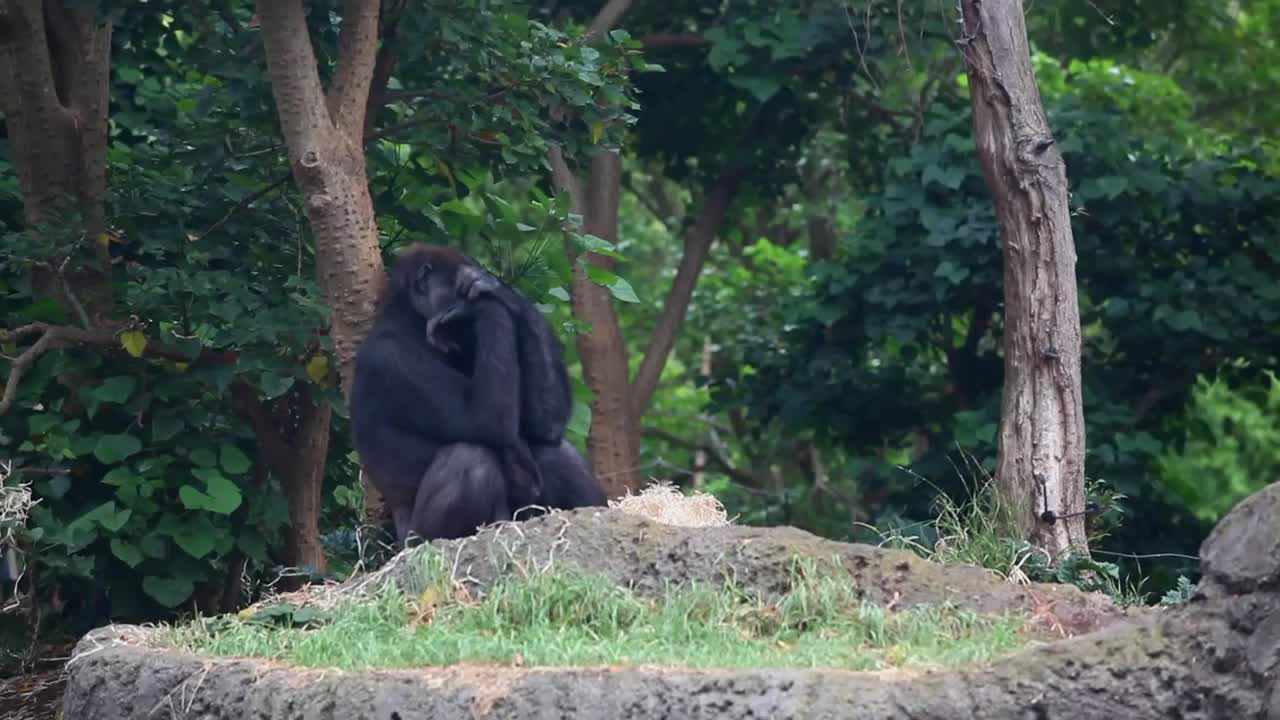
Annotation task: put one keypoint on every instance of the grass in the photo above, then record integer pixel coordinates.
(978, 531)
(564, 618)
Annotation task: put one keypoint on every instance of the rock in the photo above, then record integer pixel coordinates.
(1214, 659)
(643, 555)
(1242, 553)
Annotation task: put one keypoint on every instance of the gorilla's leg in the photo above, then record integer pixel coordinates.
(567, 481)
(465, 487)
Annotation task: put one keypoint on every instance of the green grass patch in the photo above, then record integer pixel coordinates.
(565, 618)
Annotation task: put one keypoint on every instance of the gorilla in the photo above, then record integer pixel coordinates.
(460, 401)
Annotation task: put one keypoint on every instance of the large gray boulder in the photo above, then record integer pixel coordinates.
(1215, 657)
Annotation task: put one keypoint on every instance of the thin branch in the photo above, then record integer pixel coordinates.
(52, 337)
(717, 458)
(244, 204)
(659, 40)
(57, 337)
(390, 15)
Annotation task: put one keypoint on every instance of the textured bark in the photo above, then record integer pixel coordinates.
(325, 140)
(697, 245)
(56, 66)
(818, 182)
(613, 440)
(619, 404)
(1042, 442)
(292, 434)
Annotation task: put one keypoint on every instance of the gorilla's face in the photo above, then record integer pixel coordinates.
(433, 290)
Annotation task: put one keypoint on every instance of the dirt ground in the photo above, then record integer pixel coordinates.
(32, 696)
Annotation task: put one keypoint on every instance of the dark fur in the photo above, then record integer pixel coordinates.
(546, 397)
(446, 440)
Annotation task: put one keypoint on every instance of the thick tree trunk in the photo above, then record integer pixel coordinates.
(1041, 458)
(613, 440)
(325, 140)
(55, 67)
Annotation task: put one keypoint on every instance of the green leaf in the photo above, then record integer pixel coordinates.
(204, 457)
(165, 424)
(192, 498)
(1112, 185)
(559, 293)
(233, 461)
(41, 424)
(224, 496)
(154, 546)
(621, 289)
(195, 539)
(949, 177)
(117, 476)
(116, 389)
(761, 87)
(252, 544)
(580, 420)
(273, 385)
(169, 592)
(114, 520)
(127, 552)
(111, 449)
(598, 245)
(55, 487)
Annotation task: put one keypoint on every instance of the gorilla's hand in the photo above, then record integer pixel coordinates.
(474, 282)
(438, 338)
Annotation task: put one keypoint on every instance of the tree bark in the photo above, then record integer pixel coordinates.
(619, 404)
(613, 440)
(292, 434)
(55, 69)
(324, 135)
(697, 246)
(1041, 457)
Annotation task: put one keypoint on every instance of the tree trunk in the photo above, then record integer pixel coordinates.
(1041, 458)
(55, 69)
(619, 404)
(613, 440)
(292, 434)
(326, 150)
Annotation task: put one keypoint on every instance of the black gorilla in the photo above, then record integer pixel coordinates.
(460, 401)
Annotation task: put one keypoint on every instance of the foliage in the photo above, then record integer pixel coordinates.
(1179, 594)
(1231, 446)
(150, 481)
(1176, 276)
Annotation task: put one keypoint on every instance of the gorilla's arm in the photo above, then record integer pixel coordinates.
(546, 399)
(421, 391)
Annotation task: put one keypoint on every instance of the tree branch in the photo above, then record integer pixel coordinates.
(358, 52)
(697, 245)
(714, 452)
(604, 20)
(51, 337)
(563, 178)
(391, 14)
(291, 62)
(674, 40)
(57, 337)
(244, 204)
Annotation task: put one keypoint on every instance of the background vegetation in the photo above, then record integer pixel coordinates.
(807, 297)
